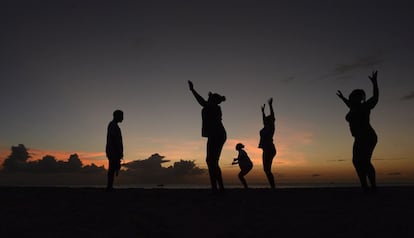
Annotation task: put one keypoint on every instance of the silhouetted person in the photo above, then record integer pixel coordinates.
(213, 129)
(364, 135)
(266, 142)
(114, 147)
(244, 162)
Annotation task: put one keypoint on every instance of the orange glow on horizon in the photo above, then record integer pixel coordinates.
(289, 165)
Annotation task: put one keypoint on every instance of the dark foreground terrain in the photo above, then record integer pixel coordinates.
(298, 212)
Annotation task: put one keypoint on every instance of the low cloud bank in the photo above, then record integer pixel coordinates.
(17, 169)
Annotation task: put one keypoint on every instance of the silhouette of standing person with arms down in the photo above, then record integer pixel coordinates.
(365, 138)
(244, 162)
(114, 148)
(213, 129)
(266, 142)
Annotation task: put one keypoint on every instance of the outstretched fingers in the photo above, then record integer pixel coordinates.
(373, 76)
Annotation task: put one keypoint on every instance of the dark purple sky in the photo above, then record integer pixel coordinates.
(66, 65)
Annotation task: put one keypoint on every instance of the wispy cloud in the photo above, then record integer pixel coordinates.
(407, 97)
(336, 160)
(394, 174)
(344, 70)
(288, 79)
(391, 158)
(366, 62)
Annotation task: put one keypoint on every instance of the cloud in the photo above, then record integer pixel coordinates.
(152, 163)
(20, 168)
(393, 159)
(98, 158)
(18, 161)
(288, 79)
(366, 62)
(394, 174)
(152, 168)
(407, 97)
(336, 160)
(150, 171)
(343, 70)
(181, 149)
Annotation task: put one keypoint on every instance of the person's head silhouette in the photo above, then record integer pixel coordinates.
(118, 115)
(357, 96)
(215, 98)
(239, 146)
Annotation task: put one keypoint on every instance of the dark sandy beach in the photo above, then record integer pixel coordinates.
(290, 212)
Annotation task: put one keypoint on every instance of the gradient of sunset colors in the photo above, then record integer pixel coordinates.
(67, 65)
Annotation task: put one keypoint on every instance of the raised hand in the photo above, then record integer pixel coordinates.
(263, 107)
(190, 85)
(270, 101)
(373, 77)
(339, 94)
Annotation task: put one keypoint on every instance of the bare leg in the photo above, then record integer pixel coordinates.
(359, 161)
(110, 181)
(212, 174)
(242, 179)
(214, 147)
(371, 176)
(268, 155)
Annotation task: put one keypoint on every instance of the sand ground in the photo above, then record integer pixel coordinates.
(293, 212)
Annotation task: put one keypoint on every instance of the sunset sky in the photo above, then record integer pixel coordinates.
(65, 66)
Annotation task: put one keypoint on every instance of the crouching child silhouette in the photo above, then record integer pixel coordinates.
(244, 162)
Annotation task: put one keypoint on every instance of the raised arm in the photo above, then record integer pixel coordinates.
(197, 96)
(272, 113)
(263, 113)
(374, 99)
(341, 96)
